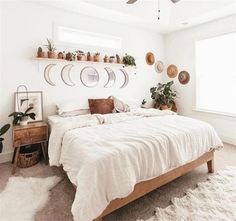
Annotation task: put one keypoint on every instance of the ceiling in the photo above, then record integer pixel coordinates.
(143, 13)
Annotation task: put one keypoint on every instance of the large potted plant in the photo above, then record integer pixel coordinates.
(163, 96)
(22, 117)
(3, 130)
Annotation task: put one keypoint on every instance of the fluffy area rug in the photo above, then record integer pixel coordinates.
(23, 197)
(214, 199)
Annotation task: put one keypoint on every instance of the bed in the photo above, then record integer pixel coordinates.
(114, 159)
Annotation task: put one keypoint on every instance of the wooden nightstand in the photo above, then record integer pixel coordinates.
(33, 133)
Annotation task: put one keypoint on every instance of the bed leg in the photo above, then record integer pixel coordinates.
(210, 166)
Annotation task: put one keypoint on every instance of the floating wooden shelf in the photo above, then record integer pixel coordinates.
(81, 62)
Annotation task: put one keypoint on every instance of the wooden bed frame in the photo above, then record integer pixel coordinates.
(145, 187)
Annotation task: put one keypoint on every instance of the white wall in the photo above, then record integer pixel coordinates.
(25, 26)
(180, 50)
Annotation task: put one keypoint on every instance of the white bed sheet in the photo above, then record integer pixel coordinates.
(106, 161)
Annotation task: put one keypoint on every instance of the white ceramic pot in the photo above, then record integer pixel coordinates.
(24, 121)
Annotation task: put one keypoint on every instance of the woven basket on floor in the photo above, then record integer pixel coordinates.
(29, 157)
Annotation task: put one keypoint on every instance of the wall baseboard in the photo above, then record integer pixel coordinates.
(6, 157)
(228, 140)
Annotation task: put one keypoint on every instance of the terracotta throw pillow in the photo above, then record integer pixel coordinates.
(101, 106)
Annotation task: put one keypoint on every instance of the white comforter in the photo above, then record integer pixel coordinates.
(108, 154)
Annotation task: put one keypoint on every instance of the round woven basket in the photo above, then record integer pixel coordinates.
(28, 156)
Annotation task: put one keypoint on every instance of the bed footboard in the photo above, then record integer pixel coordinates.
(145, 187)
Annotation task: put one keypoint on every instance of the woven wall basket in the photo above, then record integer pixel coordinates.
(28, 158)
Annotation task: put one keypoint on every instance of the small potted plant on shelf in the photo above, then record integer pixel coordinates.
(40, 53)
(96, 57)
(60, 55)
(80, 55)
(129, 60)
(163, 96)
(118, 59)
(3, 130)
(112, 59)
(51, 49)
(89, 57)
(22, 117)
(106, 59)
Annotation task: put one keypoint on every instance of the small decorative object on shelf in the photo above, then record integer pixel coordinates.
(80, 55)
(118, 59)
(96, 57)
(112, 59)
(129, 60)
(40, 53)
(106, 59)
(89, 57)
(35, 133)
(60, 55)
(3, 130)
(163, 96)
(22, 117)
(70, 56)
(51, 49)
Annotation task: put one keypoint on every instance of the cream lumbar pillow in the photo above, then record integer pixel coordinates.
(119, 106)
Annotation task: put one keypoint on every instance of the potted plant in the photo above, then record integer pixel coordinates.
(80, 55)
(51, 49)
(3, 130)
(106, 59)
(112, 59)
(118, 59)
(129, 60)
(22, 117)
(60, 55)
(163, 96)
(96, 57)
(40, 53)
(89, 57)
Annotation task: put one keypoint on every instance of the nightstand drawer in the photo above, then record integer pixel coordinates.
(30, 135)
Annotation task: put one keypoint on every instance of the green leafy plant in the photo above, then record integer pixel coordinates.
(97, 54)
(162, 94)
(50, 46)
(129, 60)
(3, 130)
(18, 116)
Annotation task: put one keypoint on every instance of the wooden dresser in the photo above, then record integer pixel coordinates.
(33, 133)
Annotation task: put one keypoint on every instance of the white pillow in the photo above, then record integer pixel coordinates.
(132, 103)
(119, 106)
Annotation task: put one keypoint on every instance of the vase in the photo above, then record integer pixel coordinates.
(24, 121)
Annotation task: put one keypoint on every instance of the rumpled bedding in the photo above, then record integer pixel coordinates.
(106, 155)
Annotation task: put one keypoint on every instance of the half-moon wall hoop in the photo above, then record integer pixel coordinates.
(111, 77)
(47, 74)
(65, 71)
(126, 76)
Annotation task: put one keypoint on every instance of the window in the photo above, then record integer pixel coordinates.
(216, 74)
(83, 38)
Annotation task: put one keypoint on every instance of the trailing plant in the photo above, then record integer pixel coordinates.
(18, 116)
(3, 130)
(162, 94)
(129, 60)
(50, 46)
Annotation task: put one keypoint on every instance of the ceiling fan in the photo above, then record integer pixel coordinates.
(133, 1)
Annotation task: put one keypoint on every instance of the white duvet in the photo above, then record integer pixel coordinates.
(106, 155)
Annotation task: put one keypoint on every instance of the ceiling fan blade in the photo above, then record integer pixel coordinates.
(131, 1)
(175, 1)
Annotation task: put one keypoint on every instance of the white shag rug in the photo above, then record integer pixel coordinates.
(214, 199)
(23, 197)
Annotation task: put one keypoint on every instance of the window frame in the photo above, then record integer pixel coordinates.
(202, 110)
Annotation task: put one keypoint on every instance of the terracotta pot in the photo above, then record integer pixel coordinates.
(60, 56)
(51, 54)
(106, 59)
(89, 58)
(80, 57)
(96, 58)
(165, 107)
(41, 54)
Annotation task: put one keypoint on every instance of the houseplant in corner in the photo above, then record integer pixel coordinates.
(163, 96)
(3, 130)
(51, 49)
(22, 117)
